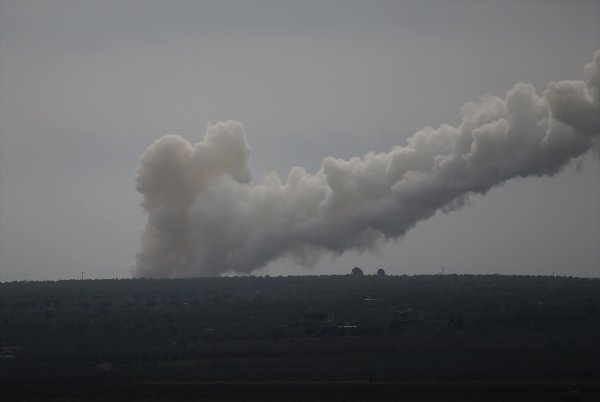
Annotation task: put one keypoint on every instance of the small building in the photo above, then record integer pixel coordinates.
(317, 324)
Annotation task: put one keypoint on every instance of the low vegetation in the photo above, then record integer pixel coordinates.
(370, 329)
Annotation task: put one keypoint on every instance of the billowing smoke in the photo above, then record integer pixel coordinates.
(205, 218)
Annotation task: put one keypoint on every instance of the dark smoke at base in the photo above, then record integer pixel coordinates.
(205, 219)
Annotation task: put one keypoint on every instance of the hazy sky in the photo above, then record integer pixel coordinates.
(87, 86)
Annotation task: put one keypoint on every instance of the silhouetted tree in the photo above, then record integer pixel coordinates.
(357, 271)
(380, 272)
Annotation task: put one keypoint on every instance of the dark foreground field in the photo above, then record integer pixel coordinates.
(310, 391)
(433, 338)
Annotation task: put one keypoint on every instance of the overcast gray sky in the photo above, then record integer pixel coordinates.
(87, 86)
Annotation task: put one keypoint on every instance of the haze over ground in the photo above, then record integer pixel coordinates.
(85, 87)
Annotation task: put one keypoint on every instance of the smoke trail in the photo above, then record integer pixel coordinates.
(204, 218)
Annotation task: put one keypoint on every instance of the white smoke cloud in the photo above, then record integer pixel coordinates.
(204, 218)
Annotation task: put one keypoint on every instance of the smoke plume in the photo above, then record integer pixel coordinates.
(205, 218)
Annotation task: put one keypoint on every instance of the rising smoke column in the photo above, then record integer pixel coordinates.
(204, 218)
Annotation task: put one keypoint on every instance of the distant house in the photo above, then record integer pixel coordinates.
(317, 324)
